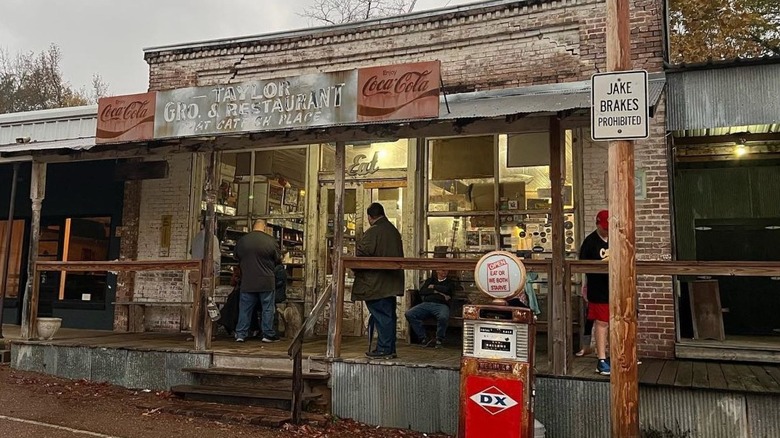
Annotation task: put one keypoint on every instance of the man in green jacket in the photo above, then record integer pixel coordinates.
(379, 287)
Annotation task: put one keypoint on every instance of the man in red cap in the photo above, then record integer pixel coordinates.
(596, 247)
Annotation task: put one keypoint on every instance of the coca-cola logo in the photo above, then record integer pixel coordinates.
(409, 82)
(132, 110)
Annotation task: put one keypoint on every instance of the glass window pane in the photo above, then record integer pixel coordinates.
(365, 159)
(461, 174)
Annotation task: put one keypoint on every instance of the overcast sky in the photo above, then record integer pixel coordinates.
(108, 36)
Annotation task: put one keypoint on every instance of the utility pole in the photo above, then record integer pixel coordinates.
(624, 385)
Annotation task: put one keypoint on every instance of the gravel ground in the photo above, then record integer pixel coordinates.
(37, 405)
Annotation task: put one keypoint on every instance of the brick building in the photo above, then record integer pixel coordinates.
(529, 59)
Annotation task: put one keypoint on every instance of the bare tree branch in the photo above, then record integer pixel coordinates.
(348, 11)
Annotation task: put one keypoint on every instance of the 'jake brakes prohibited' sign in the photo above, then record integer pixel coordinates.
(619, 108)
(500, 274)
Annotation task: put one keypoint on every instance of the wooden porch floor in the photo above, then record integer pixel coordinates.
(694, 374)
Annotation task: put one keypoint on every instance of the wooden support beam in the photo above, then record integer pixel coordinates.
(337, 280)
(201, 324)
(30, 303)
(688, 268)
(559, 337)
(624, 382)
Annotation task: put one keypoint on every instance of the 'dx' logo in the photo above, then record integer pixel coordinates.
(493, 400)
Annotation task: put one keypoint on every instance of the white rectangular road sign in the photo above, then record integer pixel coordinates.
(619, 108)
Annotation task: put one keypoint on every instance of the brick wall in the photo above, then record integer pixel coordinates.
(484, 48)
(653, 233)
(161, 197)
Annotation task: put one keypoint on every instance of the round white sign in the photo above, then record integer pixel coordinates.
(500, 274)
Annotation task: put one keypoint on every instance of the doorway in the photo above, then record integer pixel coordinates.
(358, 195)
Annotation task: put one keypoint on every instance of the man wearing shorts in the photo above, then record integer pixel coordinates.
(596, 247)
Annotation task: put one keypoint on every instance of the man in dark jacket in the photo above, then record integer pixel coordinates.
(436, 293)
(379, 287)
(258, 254)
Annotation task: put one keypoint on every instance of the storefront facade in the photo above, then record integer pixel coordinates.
(474, 178)
(726, 173)
(80, 213)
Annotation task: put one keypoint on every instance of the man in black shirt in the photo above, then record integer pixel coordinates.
(596, 247)
(258, 254)
(436, 293)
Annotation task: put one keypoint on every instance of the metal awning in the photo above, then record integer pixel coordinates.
(549, 98)
(76, 144)
(725, 96)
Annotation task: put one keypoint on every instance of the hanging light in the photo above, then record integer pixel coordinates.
(740, 149)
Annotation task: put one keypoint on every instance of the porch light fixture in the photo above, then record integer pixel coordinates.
(740, 149)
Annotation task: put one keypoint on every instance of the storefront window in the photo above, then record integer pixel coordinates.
(469, 212)
(15, 256)
(74, 240)
(364, 160)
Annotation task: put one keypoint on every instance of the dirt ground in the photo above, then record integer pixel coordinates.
(37, 405)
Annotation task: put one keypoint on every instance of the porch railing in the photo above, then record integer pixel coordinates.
(571, 267)
(200, 328)
(417, 264)
(296, 352)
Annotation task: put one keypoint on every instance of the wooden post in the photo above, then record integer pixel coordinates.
(201, 324)
(6, 256)
(30, 303)
(624, 385)
(560, 326)
(337, 298)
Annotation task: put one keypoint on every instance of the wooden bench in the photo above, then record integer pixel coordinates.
(456, 310)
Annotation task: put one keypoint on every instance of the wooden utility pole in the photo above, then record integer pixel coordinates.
(624, 385)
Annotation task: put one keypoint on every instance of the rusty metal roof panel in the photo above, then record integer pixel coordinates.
(548, 98)
(724, 97)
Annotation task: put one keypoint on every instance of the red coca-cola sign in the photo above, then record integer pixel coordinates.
(397, 92)
(126, 118)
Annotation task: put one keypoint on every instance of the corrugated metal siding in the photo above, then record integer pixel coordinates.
(736, 96)
(49, 125)
(422, 399)
(764, 416)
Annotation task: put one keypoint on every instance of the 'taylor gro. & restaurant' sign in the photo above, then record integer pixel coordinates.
(396, 92)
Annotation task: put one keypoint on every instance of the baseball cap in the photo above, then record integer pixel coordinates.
(602, 218)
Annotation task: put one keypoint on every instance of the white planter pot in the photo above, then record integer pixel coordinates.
(47, 327)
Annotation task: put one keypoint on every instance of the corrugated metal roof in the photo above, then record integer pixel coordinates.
(713, 132)
(532, 99)
(48, 125)
(78, 144)
(722, 97)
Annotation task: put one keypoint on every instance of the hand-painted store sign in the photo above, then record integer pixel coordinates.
(405, 91)
(125, 118)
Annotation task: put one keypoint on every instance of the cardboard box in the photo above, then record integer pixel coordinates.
(483, 197)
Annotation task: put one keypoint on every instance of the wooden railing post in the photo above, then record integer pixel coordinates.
(30, 303)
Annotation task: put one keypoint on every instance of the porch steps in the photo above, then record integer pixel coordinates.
(266, 387)
(269, 398)
(257, 378)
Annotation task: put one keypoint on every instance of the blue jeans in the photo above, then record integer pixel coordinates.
(418, 313)
(383, 311)
(246, 310)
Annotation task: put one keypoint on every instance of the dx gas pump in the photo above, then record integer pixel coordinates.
(496, 373)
